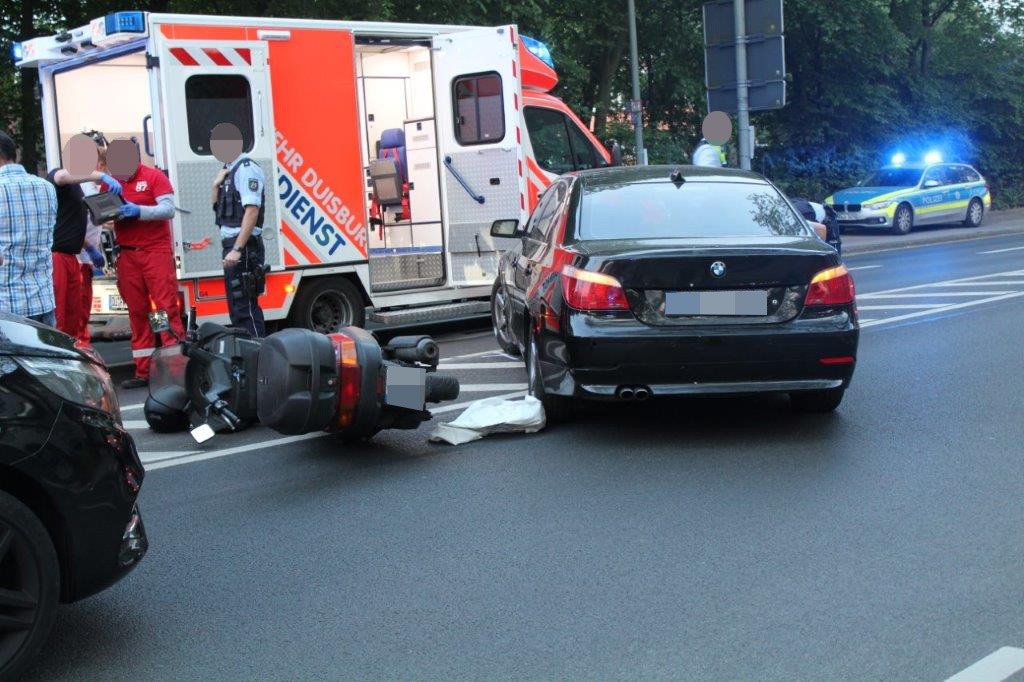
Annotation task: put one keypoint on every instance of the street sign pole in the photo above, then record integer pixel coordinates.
(635, 106)
(742, 102)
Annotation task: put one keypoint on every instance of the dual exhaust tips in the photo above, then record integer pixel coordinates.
(633, 393)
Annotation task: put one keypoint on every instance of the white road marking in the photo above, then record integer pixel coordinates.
(483, 388)
(902, 306)
(137, 406)
(937, 294)
(1001, 283)
(997, 666)
(493, 351)
(864, 267)
(135, 424)
(1010, 273)
(480, 365)
(932, 311)
(163, 460)
(1012, 248)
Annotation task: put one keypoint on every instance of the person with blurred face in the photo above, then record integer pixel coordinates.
(81, 157)
(238, 201)
(145, 265)
(28, 209)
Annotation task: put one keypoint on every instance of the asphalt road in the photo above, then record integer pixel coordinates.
(705, 538)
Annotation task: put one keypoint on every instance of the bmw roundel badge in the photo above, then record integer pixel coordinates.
(718, 268)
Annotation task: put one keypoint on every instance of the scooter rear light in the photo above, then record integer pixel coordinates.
(833, 286)
(349, 379)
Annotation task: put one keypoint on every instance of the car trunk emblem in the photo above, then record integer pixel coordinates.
(718, 268)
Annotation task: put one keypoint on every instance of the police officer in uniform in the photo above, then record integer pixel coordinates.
(238, 202)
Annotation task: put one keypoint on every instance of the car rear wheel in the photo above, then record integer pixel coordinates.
(501, 318)
(29, 585)
(903, 220)
(975, 213)
(556, 408)
(816, 401)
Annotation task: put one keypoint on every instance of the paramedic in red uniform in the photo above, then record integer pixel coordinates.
(81, 157)
(145, 264)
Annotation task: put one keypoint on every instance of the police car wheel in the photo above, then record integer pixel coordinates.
(975, 213)
(903, 220)
(327, 304)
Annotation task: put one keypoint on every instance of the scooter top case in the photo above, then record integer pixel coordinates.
(297, 382)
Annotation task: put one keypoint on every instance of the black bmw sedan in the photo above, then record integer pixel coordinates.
(638, 282)
(69, 478)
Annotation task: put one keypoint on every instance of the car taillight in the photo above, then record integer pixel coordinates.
(349, 379)
(585, 290)
(831, 287)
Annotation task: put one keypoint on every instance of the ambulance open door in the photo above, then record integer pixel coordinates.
(202, 83)
(477, 91)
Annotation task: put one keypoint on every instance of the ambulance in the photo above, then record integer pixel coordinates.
(389, 149)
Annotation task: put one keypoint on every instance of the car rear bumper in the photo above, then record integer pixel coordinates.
(598, 356)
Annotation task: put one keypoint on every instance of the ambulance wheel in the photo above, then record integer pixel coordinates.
(903, 219)
(501, 318)
(326, 304)
(975, 213)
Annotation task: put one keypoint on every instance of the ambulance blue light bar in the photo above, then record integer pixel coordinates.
(17, 52)
(124, 22)
(538, 50)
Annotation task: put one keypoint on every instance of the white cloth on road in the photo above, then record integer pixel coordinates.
(492, 415)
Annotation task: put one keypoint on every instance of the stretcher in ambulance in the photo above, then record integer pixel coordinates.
(389, 150)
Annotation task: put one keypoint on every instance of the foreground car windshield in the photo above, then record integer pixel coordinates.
(694, 209)
(893, 177)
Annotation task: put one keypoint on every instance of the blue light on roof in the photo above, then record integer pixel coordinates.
(538, 50)
(932, 157)
(125, 22)
(17, 52)
(899, 158)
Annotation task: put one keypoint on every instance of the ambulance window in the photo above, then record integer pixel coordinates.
(583, 152)
(214, 99)
(550, 139)
(479, 109)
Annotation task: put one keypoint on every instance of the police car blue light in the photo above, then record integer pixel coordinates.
(898, 197)
(899, 158)
(538, 50)
(933, 157)
(124, 22)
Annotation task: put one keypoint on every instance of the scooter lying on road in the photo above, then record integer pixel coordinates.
(219, 379)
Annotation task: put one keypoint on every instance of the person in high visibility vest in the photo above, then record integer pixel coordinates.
(716, 130)
(707, 154)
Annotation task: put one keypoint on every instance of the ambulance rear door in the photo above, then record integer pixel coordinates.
(202, 83)
(477, 91)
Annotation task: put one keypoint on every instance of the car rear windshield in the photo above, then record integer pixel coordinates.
(693, 209)
(893, 177)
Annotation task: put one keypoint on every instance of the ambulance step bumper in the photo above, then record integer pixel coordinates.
(433, 313)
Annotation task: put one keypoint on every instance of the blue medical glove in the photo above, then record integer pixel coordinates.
(130, 211)
(112, 184)
(96, 256)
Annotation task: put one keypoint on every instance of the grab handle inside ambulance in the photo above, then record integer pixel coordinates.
(145, 135)
(478, 198)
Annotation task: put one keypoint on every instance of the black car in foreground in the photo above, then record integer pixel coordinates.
(69, 478)
(638, 282)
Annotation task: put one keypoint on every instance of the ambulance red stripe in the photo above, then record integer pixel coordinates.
(182, 55)
(245, 53)
(218, 58)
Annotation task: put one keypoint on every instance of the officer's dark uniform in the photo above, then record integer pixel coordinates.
(243, 281)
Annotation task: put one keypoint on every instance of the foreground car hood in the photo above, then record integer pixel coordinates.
(20, 336)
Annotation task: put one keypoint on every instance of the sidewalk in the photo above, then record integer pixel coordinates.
(997, 223)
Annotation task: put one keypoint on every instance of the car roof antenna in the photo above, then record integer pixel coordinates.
(677, 178)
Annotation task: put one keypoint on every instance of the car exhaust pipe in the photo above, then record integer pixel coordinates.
(625, 393)
(642, 393)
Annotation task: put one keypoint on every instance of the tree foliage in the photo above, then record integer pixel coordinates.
(865, 77)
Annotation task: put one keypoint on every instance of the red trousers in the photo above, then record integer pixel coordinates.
(85, 309)
(67, 292)
(147, 282)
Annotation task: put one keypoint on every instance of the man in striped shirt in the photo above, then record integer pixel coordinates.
(28, 211)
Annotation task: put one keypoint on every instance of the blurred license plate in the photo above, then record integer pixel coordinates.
(717, 302)
(405, 387)
(115, 302)
(847, 216)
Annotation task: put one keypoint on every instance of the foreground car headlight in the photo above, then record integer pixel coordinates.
(878, 206)
(75, 381)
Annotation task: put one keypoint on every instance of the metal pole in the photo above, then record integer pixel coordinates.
(742, 100)
(638, 120)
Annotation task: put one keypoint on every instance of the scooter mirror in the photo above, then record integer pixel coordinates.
(159, 322)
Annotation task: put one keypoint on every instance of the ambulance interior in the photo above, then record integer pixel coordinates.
(118, 112)
(396, 102)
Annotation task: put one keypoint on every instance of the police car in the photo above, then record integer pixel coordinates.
(898, 197)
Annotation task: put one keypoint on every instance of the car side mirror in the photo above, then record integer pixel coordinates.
(819, 230)
(507, 229)
(615, 151)
(931, 183)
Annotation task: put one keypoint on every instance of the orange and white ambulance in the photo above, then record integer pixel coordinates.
(391, 148)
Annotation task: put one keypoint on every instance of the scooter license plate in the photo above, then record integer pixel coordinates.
(405, 387)
(203, 433)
